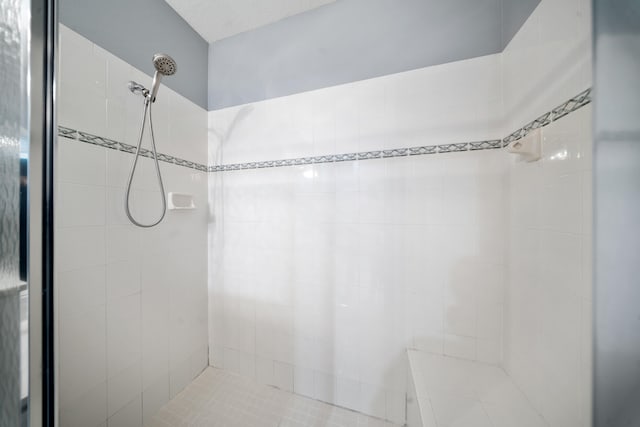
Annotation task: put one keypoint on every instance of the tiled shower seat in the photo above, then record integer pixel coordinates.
(450, 392)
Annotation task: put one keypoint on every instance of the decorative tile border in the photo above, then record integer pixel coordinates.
(575, 103)
(547, 118)
(571, 105)
(364, 155)
(120, 146)
(427, 149)
(485, 145)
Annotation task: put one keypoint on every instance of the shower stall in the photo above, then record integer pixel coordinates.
(327, 213)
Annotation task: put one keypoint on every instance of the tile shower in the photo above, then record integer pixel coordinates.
(334, 230)
(132, 311)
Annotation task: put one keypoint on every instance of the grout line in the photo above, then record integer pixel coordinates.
(564, 109)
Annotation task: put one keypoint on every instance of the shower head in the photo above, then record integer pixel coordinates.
(165, 66)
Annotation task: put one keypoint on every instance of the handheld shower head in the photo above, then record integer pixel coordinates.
(165, 66)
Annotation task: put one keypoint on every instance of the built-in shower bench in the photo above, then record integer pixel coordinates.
(446, 391)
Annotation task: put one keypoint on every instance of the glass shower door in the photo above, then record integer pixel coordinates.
(14, 106)
(27, 51)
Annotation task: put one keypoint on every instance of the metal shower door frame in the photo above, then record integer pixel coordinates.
(43, 51)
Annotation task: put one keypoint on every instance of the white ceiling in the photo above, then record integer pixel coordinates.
(218, 19)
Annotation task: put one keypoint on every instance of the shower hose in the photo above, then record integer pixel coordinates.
(147, 109)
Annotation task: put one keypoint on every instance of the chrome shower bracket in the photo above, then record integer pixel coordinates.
(137, 88)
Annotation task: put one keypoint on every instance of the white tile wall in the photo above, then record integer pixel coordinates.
(336, 268)
(321, 275)
(548, 61)
(548, 306)
(428, 106)
(131, 303)
(94, 98)
(548, 346)
(329, 272)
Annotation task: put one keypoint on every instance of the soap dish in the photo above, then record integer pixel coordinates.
(180, 201)
(528, 148)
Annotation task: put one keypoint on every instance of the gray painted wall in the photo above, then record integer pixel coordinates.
(617, 213)
(514, 15)
(353, 40)
(136, 29)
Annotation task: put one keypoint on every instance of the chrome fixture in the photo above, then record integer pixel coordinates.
(137, 88)
(165, 66)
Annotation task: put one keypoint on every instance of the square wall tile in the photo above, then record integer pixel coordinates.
(459, 346)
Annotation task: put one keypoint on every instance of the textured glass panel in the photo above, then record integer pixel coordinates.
(13, 102)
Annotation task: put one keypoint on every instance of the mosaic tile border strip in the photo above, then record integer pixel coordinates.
(364, 155)
(88, 138)
(573, 104)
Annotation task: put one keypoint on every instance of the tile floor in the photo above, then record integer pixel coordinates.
(454, 392)
(220, 398)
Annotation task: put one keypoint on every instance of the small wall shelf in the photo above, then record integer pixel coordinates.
(529, 148)
(180, 201)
